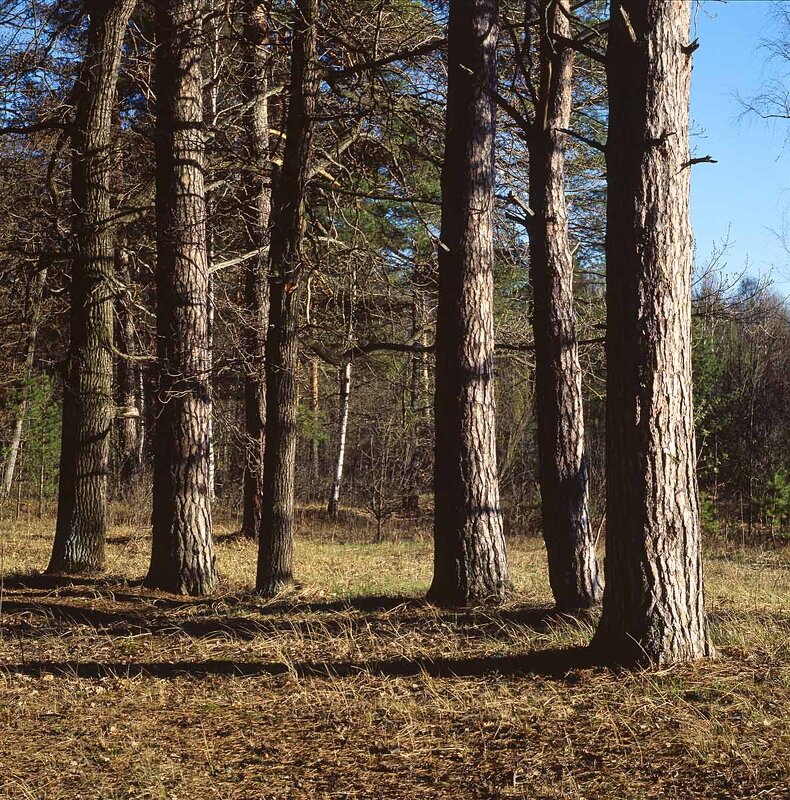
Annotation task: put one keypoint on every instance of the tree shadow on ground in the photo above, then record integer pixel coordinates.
(248, 617)
(38, 606)
(555, 663)
(51, 582)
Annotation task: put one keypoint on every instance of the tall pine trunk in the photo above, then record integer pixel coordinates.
(256, 283)
(564, 487)
(88, 405)
(470, 562)
(182, 556)
(653, 601)
(275, 553)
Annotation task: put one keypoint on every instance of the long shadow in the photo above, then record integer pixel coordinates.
(156, 601)
(557, 663)
(376, 616)
(45, 581)
(539, 618)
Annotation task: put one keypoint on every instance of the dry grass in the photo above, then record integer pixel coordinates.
(352, 687)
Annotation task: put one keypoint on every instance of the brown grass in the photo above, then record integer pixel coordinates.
(352, 687)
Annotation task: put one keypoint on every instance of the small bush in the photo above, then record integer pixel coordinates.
(777, 503)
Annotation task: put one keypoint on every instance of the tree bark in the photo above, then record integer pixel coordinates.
(211, 34)
(417, 390)
(88, 396)
(470, 562)
(16, 437)
(315, 408)
(570, 544)
(129, 427)
(210, 436)
(342, 428)
(653, 607)
(275, 553)
(182, 555)
(344, 403)
(256, 283)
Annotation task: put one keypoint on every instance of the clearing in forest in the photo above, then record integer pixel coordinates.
(353, 687)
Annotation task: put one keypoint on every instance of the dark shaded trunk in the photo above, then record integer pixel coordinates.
(275, 554)
(256, 282)
(211, 436)
(470, 562)
(570, 544)
(182, 556)
(211, 76)
(129, 423)
(653, 601)
(88, 405)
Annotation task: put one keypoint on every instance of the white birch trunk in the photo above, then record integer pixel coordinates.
(345, 402)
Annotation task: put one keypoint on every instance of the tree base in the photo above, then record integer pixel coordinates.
(446, 596)
(274, 588)
(579, 604)
(191, 585)
(76, 568)
(617, 648)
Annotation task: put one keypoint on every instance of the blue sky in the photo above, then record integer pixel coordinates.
(748, 191)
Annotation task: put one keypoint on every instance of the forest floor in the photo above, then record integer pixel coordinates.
(352, 686)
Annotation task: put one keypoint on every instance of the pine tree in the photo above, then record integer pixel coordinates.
(564, 482)
(470, 562)
(182, 554)
(88, 404)
(653, 607)
(275, 553)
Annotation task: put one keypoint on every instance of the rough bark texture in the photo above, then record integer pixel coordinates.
(256, 283)
(342, 428)
(573, 566)
(653, 602)
(470, 563)
(182, 556)
(275, 552)
(87, 397)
